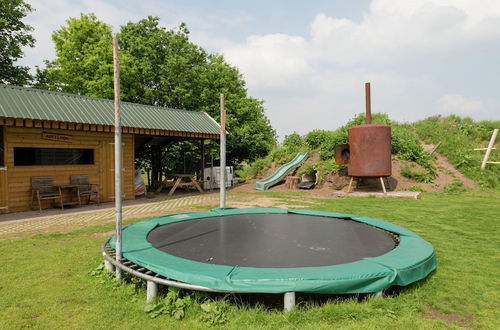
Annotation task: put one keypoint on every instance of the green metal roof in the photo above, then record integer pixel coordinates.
(31, 103)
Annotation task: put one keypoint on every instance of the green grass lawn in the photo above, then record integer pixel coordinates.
(46, 282)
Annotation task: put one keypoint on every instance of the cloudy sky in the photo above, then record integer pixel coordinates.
(308, 60)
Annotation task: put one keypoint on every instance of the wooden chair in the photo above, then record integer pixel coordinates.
(84, 188)
(42, 187)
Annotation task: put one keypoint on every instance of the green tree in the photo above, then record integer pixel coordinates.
(84, 59)
(14, 35)
(159, 67)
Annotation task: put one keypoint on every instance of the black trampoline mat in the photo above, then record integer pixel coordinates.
(271, 240)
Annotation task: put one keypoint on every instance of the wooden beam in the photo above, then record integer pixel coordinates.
(71, 126)
(19, 122)
(100, 128)
(47, 124)
(488, 150)
(28, 123)
(63, 125)
(93, 128)
(86, 127)
(9, 122)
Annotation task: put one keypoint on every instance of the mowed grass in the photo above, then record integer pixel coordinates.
(45, 280)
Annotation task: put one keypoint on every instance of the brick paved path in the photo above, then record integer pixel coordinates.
(76, 220)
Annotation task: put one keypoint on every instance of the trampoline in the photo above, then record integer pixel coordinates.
(273, 251)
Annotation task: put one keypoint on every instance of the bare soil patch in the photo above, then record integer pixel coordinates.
(463, 321)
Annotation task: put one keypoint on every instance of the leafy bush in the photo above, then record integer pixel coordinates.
(251, 171)
(315, 138)
(279, 155)
(293, 141)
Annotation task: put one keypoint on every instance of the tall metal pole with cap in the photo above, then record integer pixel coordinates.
(222, 178)
(118, 157)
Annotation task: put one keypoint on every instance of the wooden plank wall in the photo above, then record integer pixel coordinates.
(101, 172)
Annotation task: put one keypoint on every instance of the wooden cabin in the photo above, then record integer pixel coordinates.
(53, 134)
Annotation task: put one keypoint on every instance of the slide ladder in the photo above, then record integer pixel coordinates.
(281, 172)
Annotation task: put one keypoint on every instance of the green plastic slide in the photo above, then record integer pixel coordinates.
(281, 172)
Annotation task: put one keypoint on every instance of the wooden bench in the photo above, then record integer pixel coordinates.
(42, 187)
(85, 188)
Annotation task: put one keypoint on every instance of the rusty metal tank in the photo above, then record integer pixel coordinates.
(369, 151)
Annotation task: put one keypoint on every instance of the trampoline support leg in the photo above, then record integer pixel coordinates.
(289, 301)
(109, 266)
(152, 291)
(379, 294)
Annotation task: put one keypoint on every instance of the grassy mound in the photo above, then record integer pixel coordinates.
(458, 137)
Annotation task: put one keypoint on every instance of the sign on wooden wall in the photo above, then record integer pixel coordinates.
(57, 137)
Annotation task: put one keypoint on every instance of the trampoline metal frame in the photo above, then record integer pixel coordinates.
(154, 279)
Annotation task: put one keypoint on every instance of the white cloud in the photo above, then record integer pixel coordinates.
(271, 59)
(398, 45)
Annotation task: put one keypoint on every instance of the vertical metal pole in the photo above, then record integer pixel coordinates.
(222, 176)
(488, 150)
(118, 157)
(368, 103)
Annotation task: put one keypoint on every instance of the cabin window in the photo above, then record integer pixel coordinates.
(52, 156)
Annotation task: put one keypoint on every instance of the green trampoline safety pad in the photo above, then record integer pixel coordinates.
(267, 250)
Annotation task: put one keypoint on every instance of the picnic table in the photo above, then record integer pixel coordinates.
(181, 180)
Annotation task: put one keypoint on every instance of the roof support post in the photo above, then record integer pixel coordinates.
(118, 157)
(202, 161)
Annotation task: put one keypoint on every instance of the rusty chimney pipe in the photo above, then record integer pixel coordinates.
(368, 103)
